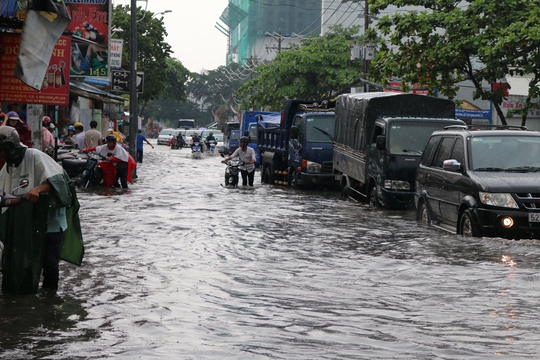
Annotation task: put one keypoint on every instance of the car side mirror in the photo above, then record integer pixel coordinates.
(380, 142)
(451, 165)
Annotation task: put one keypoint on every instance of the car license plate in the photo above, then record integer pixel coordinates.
(534, 217)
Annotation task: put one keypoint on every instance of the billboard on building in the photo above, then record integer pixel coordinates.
(55, 86)
(89, 25)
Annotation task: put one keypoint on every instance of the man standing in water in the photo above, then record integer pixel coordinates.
(248, 158)
(140, 145)
(36, 235)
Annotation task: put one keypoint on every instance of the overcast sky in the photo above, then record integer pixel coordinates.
(191, 32)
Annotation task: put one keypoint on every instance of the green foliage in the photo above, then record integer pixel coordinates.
(451, 41)
(318, 69)
(152, 50)
(214, 89)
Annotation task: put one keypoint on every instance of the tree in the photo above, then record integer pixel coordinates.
(214, 89)
(452, 41)
(319, 68)
(153, 53)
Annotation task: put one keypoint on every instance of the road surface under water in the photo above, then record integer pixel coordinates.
(183, 268)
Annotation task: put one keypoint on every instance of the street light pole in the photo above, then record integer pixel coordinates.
(133, 101)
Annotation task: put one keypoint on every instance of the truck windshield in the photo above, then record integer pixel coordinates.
(314, 125)
(253, 133)
(410, 137)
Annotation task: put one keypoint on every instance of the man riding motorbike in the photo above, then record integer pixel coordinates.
(180, 142)
(196, 139)
(210, 138)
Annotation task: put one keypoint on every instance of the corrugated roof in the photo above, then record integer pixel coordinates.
(93, 92)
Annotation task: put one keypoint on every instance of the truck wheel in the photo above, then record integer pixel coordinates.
(422, 216)
(467, 227)
(266, 175)
(345, 192)
(294, 180)
(373, 199)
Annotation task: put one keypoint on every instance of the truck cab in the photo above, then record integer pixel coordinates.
(248, 127)
(233, 142)
(296, 147)
(396, 147)
(311, 149)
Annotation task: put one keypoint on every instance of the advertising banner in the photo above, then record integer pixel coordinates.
(55, 83)
(90, 27)
(44, 23)
(116, 53)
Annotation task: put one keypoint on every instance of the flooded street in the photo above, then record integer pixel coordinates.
(183, 268)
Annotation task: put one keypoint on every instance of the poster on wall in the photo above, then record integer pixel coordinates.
(90, 28)
(55, 86)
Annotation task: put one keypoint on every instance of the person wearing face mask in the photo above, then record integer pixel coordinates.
(45, 228)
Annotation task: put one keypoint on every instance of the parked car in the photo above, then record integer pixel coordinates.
(481, 182)
(165, 135)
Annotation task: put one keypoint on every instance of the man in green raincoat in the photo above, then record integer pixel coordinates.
(43, 229)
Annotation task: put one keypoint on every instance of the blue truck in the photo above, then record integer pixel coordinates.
(231, 134)
(248, 126)
(296, 148)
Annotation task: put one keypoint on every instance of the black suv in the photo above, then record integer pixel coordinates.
(481, 182)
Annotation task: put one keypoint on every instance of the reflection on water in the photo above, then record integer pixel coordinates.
(181, 267)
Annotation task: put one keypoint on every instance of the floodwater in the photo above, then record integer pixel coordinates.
(183, 268)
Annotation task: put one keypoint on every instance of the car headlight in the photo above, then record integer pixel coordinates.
(397, 185)
(313, 167)
(498, 199)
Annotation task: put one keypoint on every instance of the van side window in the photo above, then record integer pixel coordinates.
(445, 149)
(431, 146)
(459, 151)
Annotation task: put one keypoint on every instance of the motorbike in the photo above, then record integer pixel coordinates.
(196, 150)
(175, 144)
(232, 172)
(92, 173)
(73, 162)
(211, 146)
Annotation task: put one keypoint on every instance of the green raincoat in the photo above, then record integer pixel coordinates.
(23, 228)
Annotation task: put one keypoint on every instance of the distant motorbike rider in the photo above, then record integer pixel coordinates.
(248, 158)
(196, 139)
(210, 138)
(117, 155)
(180, 142)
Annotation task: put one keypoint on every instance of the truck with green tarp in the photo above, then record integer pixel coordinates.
(379, 138)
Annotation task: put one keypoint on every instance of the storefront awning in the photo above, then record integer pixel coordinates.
(92, 92)
(519, 85)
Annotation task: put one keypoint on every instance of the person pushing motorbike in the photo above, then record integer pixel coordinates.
(117, 155)
(248, 158)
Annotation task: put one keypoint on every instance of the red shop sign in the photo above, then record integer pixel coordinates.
(55, 89)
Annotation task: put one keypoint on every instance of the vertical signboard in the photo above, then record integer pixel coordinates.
(90, 27)
(115, 54)
(55, 87)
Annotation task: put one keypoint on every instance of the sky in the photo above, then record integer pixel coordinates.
(191, 30)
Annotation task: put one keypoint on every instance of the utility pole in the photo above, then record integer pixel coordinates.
(366, 26)
(279, 40)
(133, 101)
